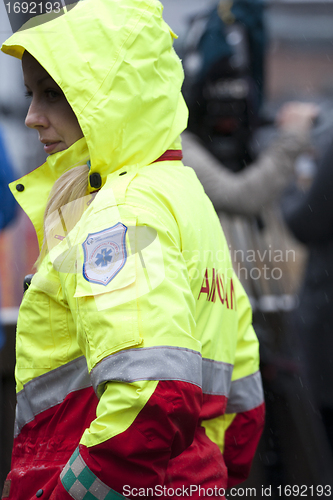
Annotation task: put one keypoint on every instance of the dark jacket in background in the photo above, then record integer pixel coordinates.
(8, 204)
(309, 215)
(7, 201)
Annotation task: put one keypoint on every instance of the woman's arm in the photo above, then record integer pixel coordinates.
(144, 364)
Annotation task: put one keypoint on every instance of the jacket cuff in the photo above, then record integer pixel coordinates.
(79, 482)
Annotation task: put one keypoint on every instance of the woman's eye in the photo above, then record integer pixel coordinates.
(28, 94)
(52, 94)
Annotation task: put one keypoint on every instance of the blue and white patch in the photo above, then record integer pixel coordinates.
(104, 254)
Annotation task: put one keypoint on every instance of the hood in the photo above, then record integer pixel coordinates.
(114, 60)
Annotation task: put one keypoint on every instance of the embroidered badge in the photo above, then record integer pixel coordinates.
(104, 254)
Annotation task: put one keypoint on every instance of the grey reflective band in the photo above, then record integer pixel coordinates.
(82, 484)
(49, 390)
(216, 377)
(164, 363)
(149, 363)
(245, 394)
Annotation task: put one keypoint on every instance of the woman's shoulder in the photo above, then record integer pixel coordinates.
(163, 192)
(169, 178)
(168, 183)
(170, 191)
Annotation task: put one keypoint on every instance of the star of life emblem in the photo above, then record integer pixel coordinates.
(104, 254)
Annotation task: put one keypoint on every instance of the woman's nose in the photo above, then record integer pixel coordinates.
(36, 118)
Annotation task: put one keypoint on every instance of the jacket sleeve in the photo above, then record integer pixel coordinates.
(144, 365)
(245, 411)
(245, 192)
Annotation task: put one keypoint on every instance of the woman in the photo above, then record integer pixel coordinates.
(135, 349)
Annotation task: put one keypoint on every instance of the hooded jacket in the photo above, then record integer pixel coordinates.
(137, 365)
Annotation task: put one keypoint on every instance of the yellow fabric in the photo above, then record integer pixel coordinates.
(117, 410)
(122, 78)
(216, 428)
(246, 358)
(119, 97)
(39, 182)
(125, 120)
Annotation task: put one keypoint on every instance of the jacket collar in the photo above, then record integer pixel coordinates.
(32, 190)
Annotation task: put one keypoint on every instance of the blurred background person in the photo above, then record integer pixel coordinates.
(8, 212)
(8, 207)
(309, 215)
(248, 191)
(224, 61)
(223, 54)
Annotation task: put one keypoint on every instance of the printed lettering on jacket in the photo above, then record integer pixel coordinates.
(218, 287)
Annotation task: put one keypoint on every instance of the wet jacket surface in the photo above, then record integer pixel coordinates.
(137, 365)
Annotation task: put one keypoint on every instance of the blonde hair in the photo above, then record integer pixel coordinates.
(71, 187)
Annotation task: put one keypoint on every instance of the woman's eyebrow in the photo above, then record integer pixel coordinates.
(43, 78)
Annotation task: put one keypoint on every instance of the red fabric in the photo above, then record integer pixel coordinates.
(171, 155)
(59, 493)
(213, 406)
(200, 465)
(241, 441)
(165, 445)
(45, 445)
(163, 429)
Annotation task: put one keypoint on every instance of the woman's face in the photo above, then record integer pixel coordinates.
(49, 112)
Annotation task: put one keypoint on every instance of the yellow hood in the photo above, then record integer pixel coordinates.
(115, 62)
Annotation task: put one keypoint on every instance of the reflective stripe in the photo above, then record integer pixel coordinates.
(245, 394)
(149, 363)
(152, 363)
(164, 363)
(49, 390)
(82, 484)
(216, 377)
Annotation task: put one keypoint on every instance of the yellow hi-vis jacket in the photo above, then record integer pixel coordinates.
(137, 365)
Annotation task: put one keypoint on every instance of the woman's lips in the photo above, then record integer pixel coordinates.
(50, 147)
